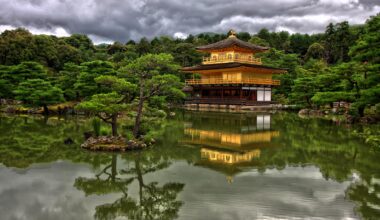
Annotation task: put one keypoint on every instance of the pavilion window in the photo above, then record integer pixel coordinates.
(221, 56)
(260, 95)
(268, 94)
(264, 94)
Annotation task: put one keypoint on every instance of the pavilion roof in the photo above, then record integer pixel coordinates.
(229, 65)
(232, 41)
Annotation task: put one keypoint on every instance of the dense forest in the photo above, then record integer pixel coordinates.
(341, 64)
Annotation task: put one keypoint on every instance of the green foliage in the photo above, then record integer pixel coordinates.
(147, 66)
(152, 74)
(356, 81)
(80, 41)
(116, 47)
(96, 126)
(315, 51)
(337, 40)
(370, 133)
(27, 70)
(300, 43)
(107, 106)
(105, 131)
(119, 85)
(185, 54)
(258, 41)
(6, 86)
(86, 85)
(20, 45)
(108, 103)
(15, 46)
(143, 47)
(67, 79)
(323, 98)
(38, 92)
(367, 48)
(11, 76)
(303, 90)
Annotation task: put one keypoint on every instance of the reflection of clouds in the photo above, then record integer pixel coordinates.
(45, 192)
(293, 193)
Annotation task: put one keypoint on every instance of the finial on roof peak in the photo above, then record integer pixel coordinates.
(232, 33)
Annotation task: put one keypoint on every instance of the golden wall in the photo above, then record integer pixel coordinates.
(229, 157)
(257, 75)
(236, 76)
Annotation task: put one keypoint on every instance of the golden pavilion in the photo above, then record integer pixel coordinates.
(231, 74)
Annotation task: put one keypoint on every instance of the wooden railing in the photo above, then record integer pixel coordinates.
(226, 101)
(250, 60)
(214, 81)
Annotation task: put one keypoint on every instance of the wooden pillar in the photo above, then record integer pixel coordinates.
(241, 95)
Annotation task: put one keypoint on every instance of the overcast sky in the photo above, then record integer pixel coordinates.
(121, 20)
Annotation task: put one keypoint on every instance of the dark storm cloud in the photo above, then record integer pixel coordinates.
(131, 19)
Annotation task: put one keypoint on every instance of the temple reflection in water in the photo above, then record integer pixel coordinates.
(229, 143)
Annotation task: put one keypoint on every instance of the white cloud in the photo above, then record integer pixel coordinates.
(180, 35)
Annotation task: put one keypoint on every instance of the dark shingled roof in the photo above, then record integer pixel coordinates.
(229, 65)
(232, 41)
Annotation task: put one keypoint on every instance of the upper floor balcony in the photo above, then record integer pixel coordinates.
(230, 59)
(221, 81)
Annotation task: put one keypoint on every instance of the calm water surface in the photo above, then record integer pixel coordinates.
(205, 166)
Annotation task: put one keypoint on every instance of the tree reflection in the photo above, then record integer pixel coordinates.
(104, 182)
(28, 140)
(153, 201)
(366, 196)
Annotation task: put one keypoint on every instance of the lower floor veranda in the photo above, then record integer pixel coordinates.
(230, 95)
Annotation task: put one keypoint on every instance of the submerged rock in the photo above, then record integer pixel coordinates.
(68, 141)
(88, 134)
(304, 112)
(311, 112)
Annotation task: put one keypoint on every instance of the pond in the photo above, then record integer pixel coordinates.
(204, 166)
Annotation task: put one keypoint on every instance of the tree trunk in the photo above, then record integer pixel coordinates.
(139, 177)
(308, 102)
(136, 128)
(114, 125)
(113, 168)
(361, 110)
(357, 89)
(46, 110)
